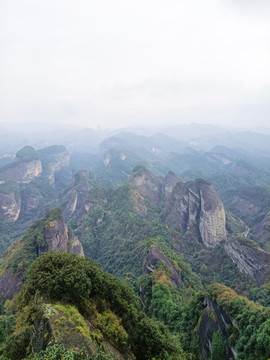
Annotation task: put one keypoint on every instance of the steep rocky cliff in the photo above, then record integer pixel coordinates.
(214, 319)
(57, 238)
(10, 201)
(53, 158)
(25, 167)
(250, 260)
(192, 206)
(147, 184)
(74, 200)
(195, 205)
(49, 234)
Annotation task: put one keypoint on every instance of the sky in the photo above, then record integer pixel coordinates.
(116, 63)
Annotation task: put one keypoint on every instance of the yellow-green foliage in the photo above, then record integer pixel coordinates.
(74, 318)
(212, 314)
(226, 298)
(110, 325)
(250, 335)
(161, 276)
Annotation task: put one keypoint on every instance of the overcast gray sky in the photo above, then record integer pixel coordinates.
(127, 62)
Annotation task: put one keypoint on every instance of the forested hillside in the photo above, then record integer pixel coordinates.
(144, 250)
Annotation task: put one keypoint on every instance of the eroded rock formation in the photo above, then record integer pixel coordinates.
(250, 260)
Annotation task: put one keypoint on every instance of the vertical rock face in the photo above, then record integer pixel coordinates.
(22, 170)
(183, 207)
(53, 158)
(57, 238)
(250, 260)
(212, 216)
(147, 184)
(76, 194)
(196, 205)
(169, 183)
(60, 160)
(191, 206)
(213, 319)
(25, 168)
(10, 206)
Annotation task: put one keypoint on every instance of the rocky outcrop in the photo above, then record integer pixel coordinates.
(212, 216)
(49, 234)
(192, 206)
(196, 206)
(154, 255)
(21, 170)
(58, 238)
(213, 319)
(75, 196)
(10, 202)
(169, 183)
(53, 158)
(147, 184)
(250, 260)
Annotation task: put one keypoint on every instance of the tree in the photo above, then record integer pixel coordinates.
(218, 346)
(61, 276)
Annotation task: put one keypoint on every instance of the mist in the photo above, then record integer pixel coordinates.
(145, 63)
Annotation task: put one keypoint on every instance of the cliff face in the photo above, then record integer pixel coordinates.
(154, 255)
(75, 196)
(53, 158)
(61, 160)
(250, 260)
(22, 170)
(191, 206)
(195, 205)
(10, 203)
(148, 185)
(57, 238)
(214, 319)
(212, 216)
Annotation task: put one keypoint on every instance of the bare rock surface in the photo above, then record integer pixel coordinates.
(250, 260)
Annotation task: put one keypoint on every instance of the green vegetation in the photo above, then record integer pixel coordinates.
(250, 334)
(217, 347)
(58, 352)
(112, 308)
(57, 279)
(214, 265)
(69, 308)
(23, 252)
(27, 153)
